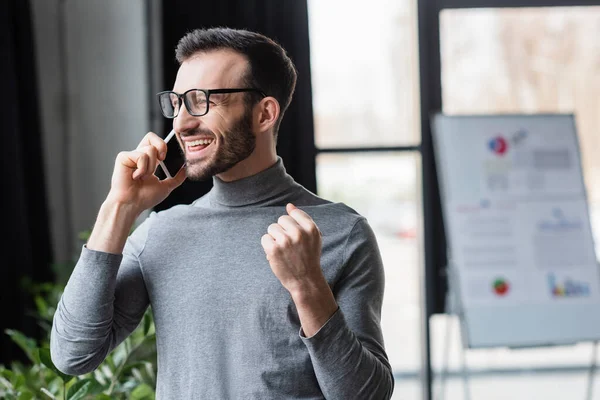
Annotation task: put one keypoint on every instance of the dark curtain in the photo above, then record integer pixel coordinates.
(285, 21)
(26, 248)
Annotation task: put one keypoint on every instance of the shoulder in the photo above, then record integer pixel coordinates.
(171, 212)
(338, 219)
(160, 218)
(156, 227)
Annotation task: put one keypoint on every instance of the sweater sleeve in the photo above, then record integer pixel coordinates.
(348, 353)
(103, 302)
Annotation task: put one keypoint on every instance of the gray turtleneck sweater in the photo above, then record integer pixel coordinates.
(225, 326)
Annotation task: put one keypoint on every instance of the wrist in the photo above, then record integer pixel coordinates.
(304, 290)
(315, 303)
(314, 295)
(113, 208)
(112, 227)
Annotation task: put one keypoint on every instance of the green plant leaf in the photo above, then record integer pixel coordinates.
(126, 371)
(106, 371)
(96, 387)
(142, 392)
(147, 323)
(17, 368)
(84, 235)
(56, 383)
(5, 382)
(18, 381)
(137, 374)
(117, 357)
(25, 395)
(79, 389)
(7, 374)
(47, 393)
(150, 370)
(100, 377)
(47, 361)
(42, 306)
(28, 345)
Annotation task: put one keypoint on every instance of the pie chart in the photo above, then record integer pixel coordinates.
(501, 287)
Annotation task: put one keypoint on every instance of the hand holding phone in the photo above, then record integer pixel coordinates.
(130, 185)
(174, 160)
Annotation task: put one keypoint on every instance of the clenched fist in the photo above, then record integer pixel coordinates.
(293, 248)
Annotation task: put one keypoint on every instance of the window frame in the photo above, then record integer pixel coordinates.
(429, 58)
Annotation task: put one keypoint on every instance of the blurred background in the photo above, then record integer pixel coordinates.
(80, 78)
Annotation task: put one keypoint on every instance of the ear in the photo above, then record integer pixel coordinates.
(266, 114)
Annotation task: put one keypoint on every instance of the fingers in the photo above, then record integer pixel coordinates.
(141, 165)
(297, 227)
(268, 244)
(143, 161)
(291, 228)
(277, 233)
(152, 153)
(289, 224)
(147, 161)
(134, 160)
(127, 159)
(152, 139)
(290, 207)
(302, 219)
(175, 181)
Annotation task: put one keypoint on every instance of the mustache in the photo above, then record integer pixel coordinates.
(196, 132)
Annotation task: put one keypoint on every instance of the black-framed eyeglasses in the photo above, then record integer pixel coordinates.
(196, 100)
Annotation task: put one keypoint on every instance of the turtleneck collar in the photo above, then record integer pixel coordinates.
(268, 187)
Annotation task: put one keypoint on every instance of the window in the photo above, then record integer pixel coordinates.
(365, 92)
(364, 73)
(541, 60)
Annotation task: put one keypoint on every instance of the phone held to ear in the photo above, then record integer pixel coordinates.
(174, 160)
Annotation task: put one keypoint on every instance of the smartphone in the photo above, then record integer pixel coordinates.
(174, 160)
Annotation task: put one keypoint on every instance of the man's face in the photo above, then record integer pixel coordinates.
(215, 142)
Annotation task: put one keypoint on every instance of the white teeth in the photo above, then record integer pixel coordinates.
(200, 142)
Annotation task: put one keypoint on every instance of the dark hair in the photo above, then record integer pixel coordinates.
(271, 70)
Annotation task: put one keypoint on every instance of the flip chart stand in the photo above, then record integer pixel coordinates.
(454, 307)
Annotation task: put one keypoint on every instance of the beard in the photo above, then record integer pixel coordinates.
(234, 146)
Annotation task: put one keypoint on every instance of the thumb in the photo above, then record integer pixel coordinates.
(177, 180)
(290, 207)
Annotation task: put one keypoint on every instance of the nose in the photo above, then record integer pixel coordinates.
(185, 122)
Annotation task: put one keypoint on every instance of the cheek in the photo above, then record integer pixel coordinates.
(221, 122)
(216, 125)
(219, 114)
(221, 128)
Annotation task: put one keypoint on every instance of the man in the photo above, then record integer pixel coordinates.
(259, 289)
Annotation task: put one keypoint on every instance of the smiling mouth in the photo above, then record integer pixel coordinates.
(193, 146)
